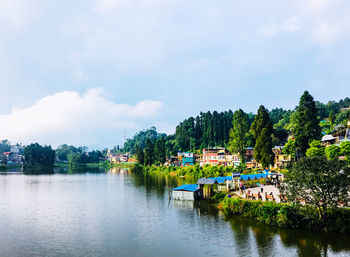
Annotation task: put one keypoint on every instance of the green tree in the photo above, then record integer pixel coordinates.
(320, 182)
(5, 146)
(332, 152)
(140, 156)
(149, 152)
(37, 155)
(345, 148)
(289, 148)
(160, 151)
(316, 149)
(239, 134)
(262, 130)
(306, 127)
(331, 119)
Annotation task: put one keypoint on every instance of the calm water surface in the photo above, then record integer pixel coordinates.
(115, 213)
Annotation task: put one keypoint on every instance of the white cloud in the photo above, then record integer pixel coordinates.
(18, 13)
(289, 25)
(69, 117)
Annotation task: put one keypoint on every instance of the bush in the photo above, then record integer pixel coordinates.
(288, 216)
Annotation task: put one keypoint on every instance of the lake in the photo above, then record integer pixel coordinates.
(117, 213)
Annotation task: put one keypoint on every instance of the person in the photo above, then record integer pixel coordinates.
(259, 196)
(261, 188)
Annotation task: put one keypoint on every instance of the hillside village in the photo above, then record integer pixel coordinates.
(222, 156)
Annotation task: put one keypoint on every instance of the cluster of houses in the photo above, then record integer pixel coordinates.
(339, 134)
(207, 187)
(13, 157)
(221, 156)
(117, 158)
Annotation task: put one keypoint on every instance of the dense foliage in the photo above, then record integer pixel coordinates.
(239, 134)
(193, 171)
(306, 126)
(212, 129)
(154, 153)
(5, 146)
(206, 130)
(37, 155)
(77, 155)
(262, 131)
(139, 140)
(288, 216)
(321, 183)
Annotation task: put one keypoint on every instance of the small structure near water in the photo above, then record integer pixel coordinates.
(186, 192)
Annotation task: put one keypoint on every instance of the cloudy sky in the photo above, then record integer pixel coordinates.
(82, 72)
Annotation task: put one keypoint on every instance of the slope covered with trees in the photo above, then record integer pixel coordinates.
(212, 129)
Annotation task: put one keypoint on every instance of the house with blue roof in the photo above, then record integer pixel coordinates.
(186, 192)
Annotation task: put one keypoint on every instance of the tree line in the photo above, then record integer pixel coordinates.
(238, 130)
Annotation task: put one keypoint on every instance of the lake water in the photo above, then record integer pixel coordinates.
(115, 213)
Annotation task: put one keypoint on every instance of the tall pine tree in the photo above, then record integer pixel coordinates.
(262, 131)
(160, 151)
(239, 134)
(307, 127)
(149, 153)
(140, 156)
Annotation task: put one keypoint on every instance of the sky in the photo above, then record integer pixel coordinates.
(88, 72)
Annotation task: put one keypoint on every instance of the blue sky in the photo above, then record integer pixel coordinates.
(82, 72)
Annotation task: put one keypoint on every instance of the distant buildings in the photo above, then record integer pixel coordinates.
(219, 156)
(117, 158)
(181, 160)
(281, 160)
(13, 157)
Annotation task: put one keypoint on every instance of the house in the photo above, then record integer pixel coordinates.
(186, 158)
(186, 192)
(173, 161)
(281, 160)
(13, 157)
(327, 140)
(219, 156)
(207, 186)
(228, 183)
(117, 158)
(249, 158)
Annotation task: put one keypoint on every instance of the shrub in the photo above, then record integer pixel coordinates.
(288, 216)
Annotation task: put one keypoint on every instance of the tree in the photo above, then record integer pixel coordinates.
(149, 152)
(5, 146)
(37, 155)
(289, 148)
(345, 150)
(239, 134)
(160, 151)
(332, 152)
(262, 130)
(320, 182)
(140, 139)
(306, 127)
(316, 149)
(140, 156)
(331, 119)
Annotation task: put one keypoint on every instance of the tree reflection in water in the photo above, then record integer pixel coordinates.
(251, 238)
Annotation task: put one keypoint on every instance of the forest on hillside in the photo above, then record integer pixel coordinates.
(212, 129)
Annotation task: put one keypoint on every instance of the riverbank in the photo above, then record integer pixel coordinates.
(88, 165)
(287, 215)
(193, 171)
(8, 167)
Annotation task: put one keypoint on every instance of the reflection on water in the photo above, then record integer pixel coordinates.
(98, 212)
